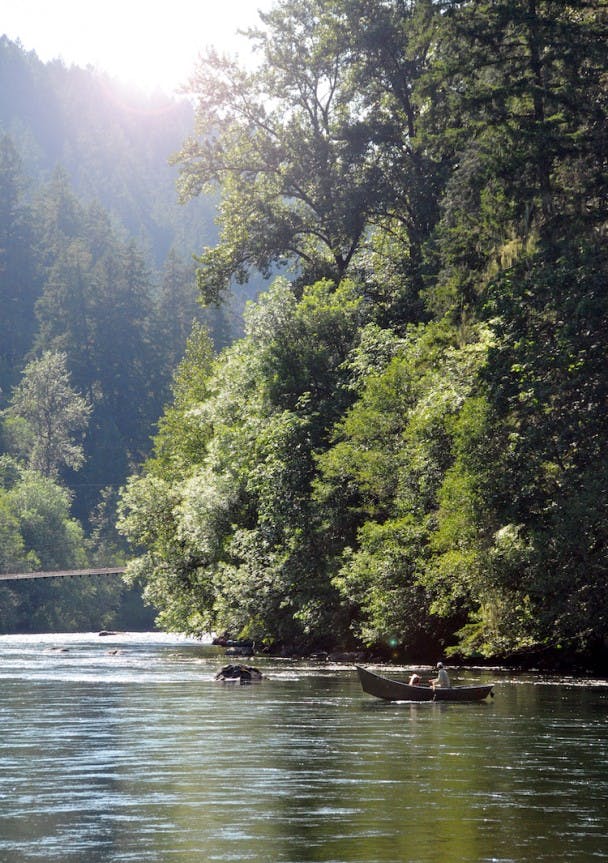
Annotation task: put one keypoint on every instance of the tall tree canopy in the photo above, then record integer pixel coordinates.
(307, 147)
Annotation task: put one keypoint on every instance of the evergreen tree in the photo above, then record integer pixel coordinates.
(177, 309)
(18, 279)
(97, 307)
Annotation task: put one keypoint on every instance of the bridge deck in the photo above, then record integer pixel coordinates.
(63, 573)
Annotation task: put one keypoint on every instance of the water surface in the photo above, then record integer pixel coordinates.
(125, 749)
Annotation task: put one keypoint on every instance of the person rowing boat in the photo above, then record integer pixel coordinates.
(442, 681)
(395, 690)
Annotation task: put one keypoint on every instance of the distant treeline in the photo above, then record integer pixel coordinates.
(97, 272)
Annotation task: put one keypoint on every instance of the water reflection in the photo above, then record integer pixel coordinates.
(140, 756)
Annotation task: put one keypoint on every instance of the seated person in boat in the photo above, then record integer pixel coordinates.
(415, 680)
(442, 680)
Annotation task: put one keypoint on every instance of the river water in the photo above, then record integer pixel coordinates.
(124, 748)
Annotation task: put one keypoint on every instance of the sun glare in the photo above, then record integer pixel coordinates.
(153, 46)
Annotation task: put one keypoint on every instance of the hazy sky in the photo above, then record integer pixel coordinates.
(144, 42)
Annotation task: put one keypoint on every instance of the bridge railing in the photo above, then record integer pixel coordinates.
(62, 573)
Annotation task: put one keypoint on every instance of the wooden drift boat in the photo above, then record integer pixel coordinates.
(394, 690)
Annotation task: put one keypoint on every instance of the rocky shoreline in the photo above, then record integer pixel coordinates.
(549, 659)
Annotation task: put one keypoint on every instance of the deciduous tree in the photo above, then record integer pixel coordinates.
(55, 413)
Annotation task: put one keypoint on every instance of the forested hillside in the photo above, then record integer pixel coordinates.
(98, 297)
(407, 449)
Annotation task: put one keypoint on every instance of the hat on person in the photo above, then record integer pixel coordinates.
(440, 665)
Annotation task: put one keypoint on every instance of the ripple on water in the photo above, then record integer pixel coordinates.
(126, 749)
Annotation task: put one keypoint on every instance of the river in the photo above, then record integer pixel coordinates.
(124, 748)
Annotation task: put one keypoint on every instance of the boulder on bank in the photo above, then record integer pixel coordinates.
(235, 646)
(239, 674)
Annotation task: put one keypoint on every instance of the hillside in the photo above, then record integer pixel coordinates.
(97, 282)
(114, 145)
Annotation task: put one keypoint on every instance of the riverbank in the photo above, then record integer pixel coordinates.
(551, 659)
(547, 659)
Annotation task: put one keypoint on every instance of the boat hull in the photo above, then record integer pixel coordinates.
(394, 690)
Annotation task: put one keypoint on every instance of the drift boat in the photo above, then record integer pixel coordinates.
(395, 690)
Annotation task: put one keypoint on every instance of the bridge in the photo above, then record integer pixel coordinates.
(62, 573)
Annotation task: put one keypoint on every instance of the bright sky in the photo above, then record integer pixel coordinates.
(152, 44)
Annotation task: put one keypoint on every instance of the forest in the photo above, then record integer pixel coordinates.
(98, 297)
(403, 450)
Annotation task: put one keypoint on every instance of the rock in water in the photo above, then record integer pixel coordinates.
(239, 674)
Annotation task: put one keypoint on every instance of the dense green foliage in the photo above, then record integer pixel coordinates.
(37, 532)
(407, 448)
